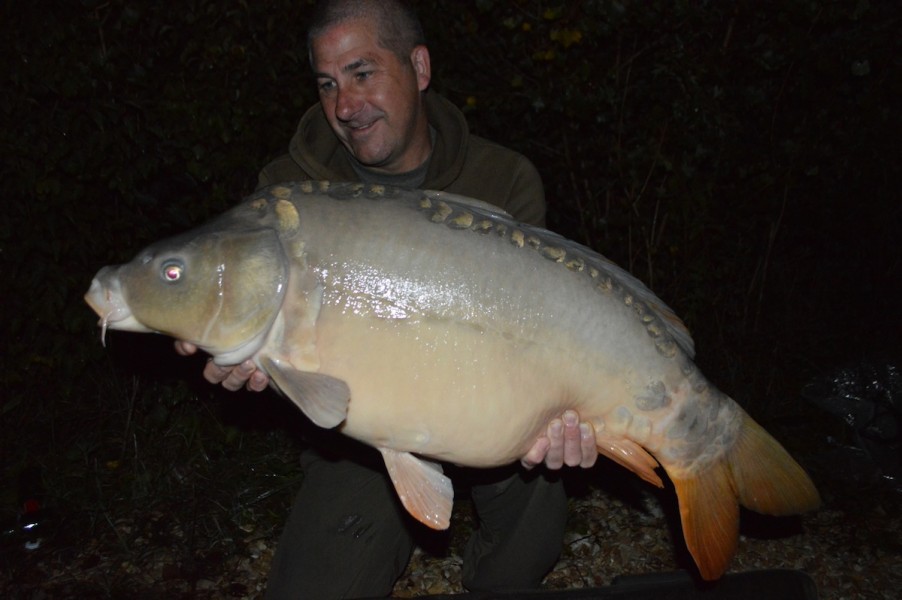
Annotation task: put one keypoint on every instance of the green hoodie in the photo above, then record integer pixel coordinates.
(460, 163)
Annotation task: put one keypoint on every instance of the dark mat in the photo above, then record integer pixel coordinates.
(752, 585)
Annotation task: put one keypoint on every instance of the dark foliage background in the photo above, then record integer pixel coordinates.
(742, 158)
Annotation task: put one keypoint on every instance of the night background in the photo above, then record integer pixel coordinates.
(743, 159)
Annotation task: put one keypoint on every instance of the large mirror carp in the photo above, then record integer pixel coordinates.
(435, 328)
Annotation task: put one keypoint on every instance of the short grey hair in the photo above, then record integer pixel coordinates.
(397, 25)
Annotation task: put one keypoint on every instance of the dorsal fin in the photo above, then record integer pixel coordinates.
(473, 203)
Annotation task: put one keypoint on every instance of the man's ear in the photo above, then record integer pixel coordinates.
(419, 59)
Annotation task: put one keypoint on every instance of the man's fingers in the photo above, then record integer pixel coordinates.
(258, 381)
(572, 451)
(587, 443)
(554, 459)
(184, 348)
(566, 442)
(579, 441)
(231, 378)
(536, 454)
(214, 373)
(239, 376)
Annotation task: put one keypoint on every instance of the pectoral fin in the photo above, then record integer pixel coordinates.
(324, 399)
(424, 491)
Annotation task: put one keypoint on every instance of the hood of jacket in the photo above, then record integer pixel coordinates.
(316, 149)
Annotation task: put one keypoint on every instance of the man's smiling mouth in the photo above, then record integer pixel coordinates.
(360, 127)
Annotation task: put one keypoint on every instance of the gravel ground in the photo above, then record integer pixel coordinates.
(851, 547)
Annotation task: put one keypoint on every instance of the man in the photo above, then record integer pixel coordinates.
(347, 535)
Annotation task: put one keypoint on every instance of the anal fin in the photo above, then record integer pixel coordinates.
(631, 455)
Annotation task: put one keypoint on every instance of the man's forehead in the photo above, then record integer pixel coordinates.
(347, 65)
(346, 45)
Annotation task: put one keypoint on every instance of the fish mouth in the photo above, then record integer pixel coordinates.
(106, 299)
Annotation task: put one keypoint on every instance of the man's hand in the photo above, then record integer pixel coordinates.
(232, 377)
(566, 442)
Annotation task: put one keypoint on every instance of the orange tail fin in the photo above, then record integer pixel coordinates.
(756, 473)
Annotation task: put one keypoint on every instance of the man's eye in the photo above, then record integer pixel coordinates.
(363, 75)
(325, 86)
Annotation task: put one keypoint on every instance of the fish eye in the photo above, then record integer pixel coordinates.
(172, 271)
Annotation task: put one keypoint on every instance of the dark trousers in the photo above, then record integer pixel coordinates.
(349, 537)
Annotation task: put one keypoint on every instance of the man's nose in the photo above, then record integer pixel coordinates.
(347, 104)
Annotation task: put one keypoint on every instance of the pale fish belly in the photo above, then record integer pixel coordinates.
(463, 394)
(441, 389)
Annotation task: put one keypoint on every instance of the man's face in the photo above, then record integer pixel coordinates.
(371, 99)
